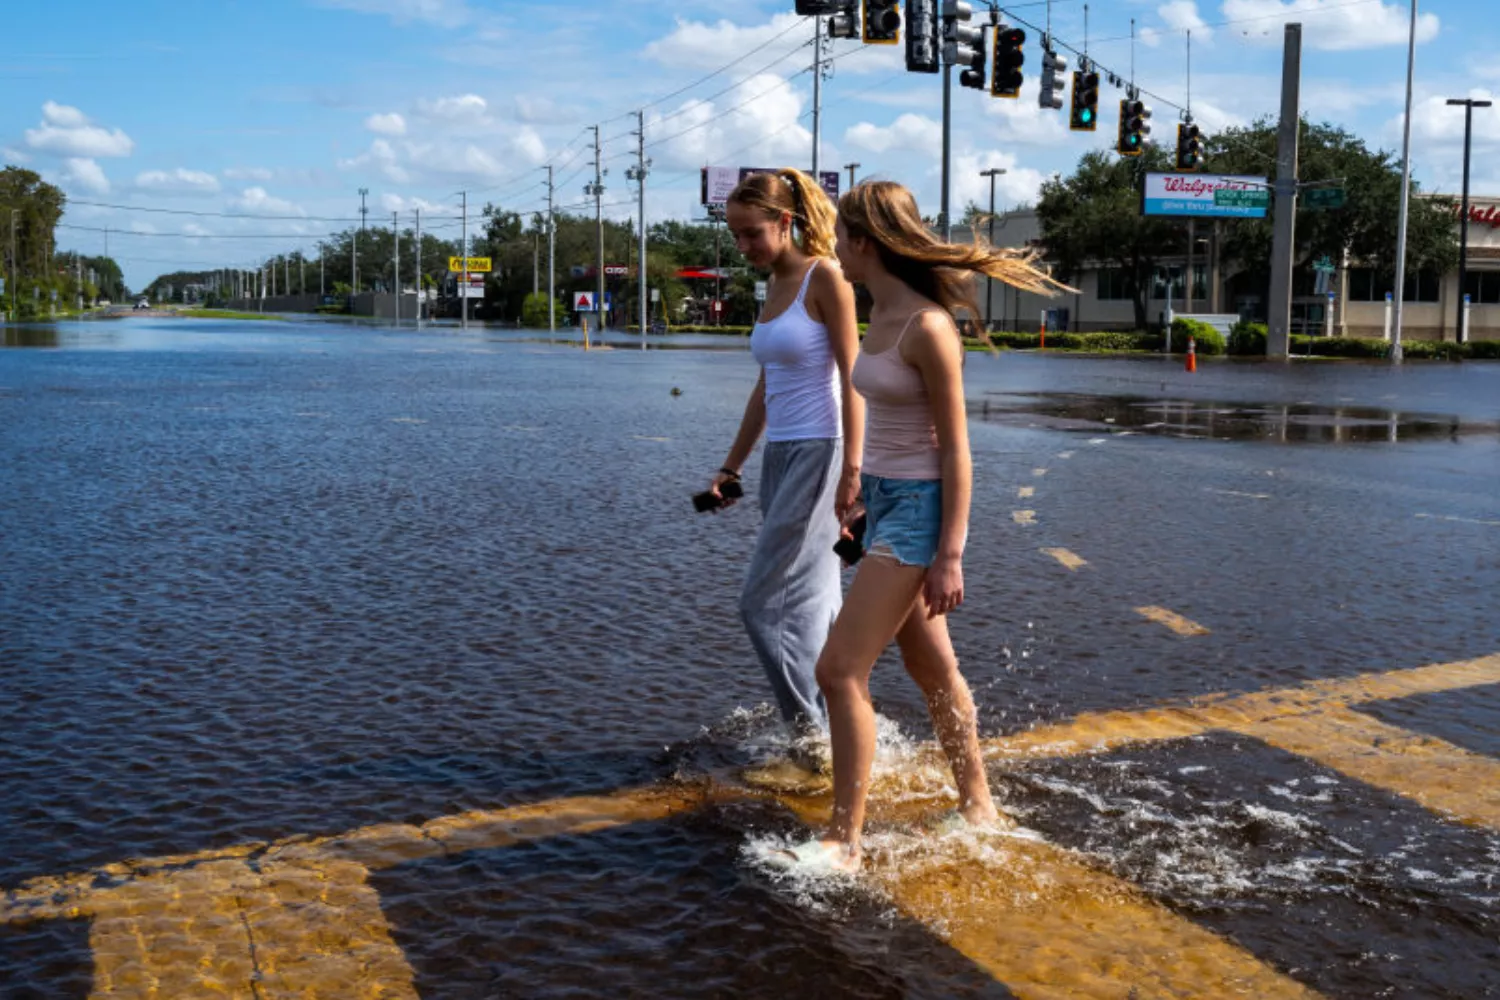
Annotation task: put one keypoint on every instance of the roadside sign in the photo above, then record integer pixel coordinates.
(1324, 199)
(583, 302)
(1242, 198)
(477, 265)
(760, 291)
(616, 270)
(656, 295)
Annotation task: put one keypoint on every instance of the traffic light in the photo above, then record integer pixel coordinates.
(812, 8)
(1085, 114)
(975, 67)
(1189, 147)
(1135, 127)
(882, 22)
(921, 36)
(845, 22)
(963, 44)
(1009, 62)
(1053, 67)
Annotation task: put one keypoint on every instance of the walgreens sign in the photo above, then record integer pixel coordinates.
(1193, 195)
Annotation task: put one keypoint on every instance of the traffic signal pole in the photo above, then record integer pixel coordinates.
(944, 219)
(1283, 242)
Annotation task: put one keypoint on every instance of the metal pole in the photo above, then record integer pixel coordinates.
(396, 261)
(599, 227)
(551, 259)
(1469, 105)
(641, 170)
(418, 254)
(989, 284)
(817, 129)
(851, 167)
(1400, 290)
(944, 220)
(463, 291)
(1283, 244)
(322, 271)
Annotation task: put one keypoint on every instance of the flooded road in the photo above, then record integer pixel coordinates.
(397, 664)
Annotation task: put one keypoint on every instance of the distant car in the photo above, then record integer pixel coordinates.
(143, 304)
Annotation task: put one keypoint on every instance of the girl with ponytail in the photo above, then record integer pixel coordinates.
(813, 421)
(916, 484)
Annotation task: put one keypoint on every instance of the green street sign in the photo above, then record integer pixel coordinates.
(1232, 198)
(1324, 199)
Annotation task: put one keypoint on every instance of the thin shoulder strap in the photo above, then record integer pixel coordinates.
(806, 280)
(902, 335)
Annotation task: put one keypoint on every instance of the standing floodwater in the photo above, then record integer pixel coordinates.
(273, 581)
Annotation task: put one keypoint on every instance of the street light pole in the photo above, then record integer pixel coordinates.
(1399, 293)
(851, 167)
(989, 284)
(1468, 104)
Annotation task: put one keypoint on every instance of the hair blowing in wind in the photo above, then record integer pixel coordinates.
(886, 213)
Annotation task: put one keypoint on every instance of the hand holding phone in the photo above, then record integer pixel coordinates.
(728, 492)
(850, 546)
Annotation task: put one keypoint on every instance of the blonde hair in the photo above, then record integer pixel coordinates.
(793, 192)
(886, 212)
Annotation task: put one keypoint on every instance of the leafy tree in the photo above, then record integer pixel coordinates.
(1094, 218)
(1365, 228)
(534, 312)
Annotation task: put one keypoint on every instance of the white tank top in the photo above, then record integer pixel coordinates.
(802, 383)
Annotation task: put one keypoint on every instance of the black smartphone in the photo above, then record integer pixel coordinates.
(708, 500)
(851, 550)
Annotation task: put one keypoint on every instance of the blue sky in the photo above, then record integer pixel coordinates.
(264, 118)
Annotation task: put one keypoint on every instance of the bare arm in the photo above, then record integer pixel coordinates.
(938, 354)
(752, 424)
(834, 301)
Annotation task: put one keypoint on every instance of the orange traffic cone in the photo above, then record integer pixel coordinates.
(1192, 355)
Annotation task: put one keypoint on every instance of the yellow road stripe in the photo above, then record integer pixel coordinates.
(1051, 928)
(1023, 516)
(1172, 620)
(1435, 773)
(1068, 559)
(1038, 472)
(1026, 491)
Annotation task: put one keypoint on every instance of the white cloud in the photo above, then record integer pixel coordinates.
(179, 181)
(390, 124)
(467, 108)
(695, 44)
(396, 203)
(144, 228)
(909, 131)
(9, 155)
(66, 131)
(1332, 25)
(382, 156)
(86, 175)
(442, 13)
(760, 117)
(193, 229)
(1018, 185)
(255, 201)
(248, 174)
(1182, 15)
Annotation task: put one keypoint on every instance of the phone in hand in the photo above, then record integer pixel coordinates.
(851, 547)
(709, 500)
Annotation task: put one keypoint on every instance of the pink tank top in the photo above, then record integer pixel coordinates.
(900, 439)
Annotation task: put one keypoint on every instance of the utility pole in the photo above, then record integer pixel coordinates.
(13, 213)
(362, 213)
(1400, 290)
(638, 173)
(551, 259)
(945, 220)
(597, 190)
(1283, 243)
(463, 292)
(817, 129)
(396, 262)
(301, 273)
(420, 290)
(989, 283)
(1468, 104)
(851, 167)
(322, 271)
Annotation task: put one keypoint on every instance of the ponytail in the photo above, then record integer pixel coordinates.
(793, 192)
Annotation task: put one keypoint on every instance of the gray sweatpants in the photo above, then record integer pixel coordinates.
(792, 592)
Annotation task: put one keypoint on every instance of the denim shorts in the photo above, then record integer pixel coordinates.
(903, 518)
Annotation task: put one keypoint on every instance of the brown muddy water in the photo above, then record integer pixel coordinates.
(287, 593)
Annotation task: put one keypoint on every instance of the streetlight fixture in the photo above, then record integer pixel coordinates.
(1468, 104)
(989, 284)
(851, 167)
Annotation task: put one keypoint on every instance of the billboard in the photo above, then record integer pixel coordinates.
(477, 265)
(717, 182)
(1194, 195)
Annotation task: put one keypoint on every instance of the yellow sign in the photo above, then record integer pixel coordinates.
(477, 265)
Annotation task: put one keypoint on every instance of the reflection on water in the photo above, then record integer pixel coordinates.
(36, 335)
(1191, 418)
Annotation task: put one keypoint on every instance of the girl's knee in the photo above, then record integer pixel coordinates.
(839, 675)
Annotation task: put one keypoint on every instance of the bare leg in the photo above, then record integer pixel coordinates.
(880, 597)
(927, 651)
